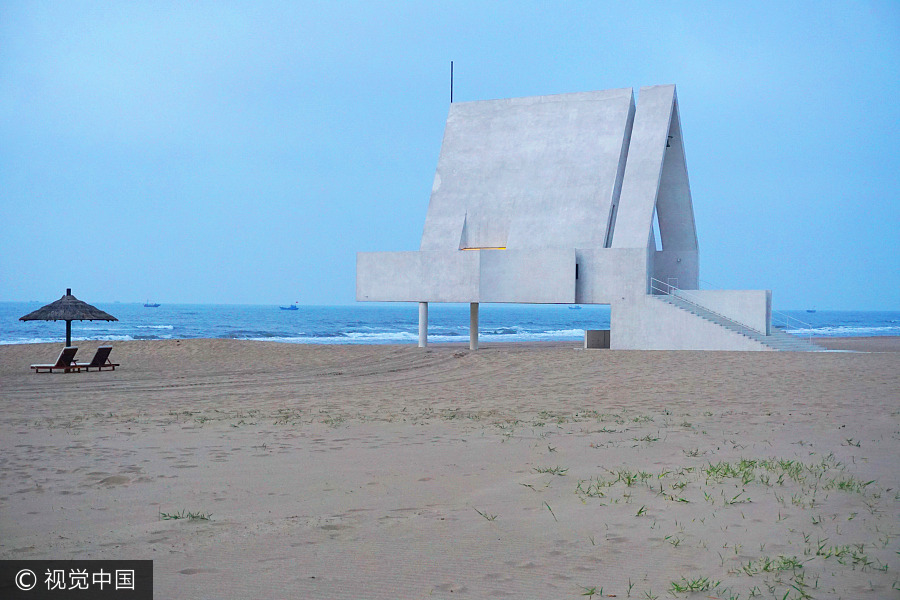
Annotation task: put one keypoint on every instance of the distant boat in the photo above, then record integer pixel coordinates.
(291, 307)
(149, 304)
(575, 308)
(810, 310)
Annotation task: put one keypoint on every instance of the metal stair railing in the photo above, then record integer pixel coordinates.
(792, 323)
(782, 320)
(668, 289)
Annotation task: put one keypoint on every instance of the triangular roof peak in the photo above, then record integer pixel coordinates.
(656, 178)
(538, 172)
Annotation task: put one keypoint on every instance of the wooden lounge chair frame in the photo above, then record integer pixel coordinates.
(65, 362)
(100, 361)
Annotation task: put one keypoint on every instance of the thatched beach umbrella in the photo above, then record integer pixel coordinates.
(68, 309)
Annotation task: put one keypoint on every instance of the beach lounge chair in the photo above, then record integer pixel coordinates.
(65, 362)
(100, 361)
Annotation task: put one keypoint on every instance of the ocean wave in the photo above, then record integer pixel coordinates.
(282, 339)
(59, 340)
(341, 338)
(502, 331)
(154, 327)
(398, 336)
(846, 331)
(408, 337)
(565, 332)
(248, 334)
(327, 334)
(32, 340)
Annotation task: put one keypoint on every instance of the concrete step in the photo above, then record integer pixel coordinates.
(793, 341)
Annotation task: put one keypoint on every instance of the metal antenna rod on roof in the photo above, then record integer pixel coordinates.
(451, 82)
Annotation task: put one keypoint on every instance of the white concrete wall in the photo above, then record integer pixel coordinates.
(752, 308)
(682, 265)
(529, 276)
(417, 276)
(607, 275)
(647, 323)
(537, 172)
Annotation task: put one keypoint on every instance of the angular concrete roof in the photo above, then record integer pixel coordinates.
(656, 177)
(538, 172)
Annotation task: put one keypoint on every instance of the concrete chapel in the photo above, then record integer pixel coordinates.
(553, 199)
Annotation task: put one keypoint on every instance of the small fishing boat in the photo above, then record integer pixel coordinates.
(576, 307)
(291, 307)
(810, 310)
(149, 304)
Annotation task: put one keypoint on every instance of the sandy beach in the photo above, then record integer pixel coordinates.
(521, 471)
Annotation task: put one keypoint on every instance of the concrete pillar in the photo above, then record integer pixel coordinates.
(473, 326)
(423, 324)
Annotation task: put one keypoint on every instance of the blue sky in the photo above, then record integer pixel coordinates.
(243, 152)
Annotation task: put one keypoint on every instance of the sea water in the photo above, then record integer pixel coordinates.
(367, 323)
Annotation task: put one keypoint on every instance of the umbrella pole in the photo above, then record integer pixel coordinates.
(68, 333)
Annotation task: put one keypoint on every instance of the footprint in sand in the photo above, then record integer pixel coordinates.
(114, 480)
(196, 571)
(452, 587)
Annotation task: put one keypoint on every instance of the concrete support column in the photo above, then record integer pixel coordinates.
(423, 324)
(473, 326)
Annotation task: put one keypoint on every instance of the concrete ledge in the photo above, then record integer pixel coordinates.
(541, 276)
(417, 276)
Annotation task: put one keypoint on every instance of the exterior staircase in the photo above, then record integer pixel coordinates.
(776, 340)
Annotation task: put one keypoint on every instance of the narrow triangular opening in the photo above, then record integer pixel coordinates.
(655, 237)
(463, 236)
(674, 213)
